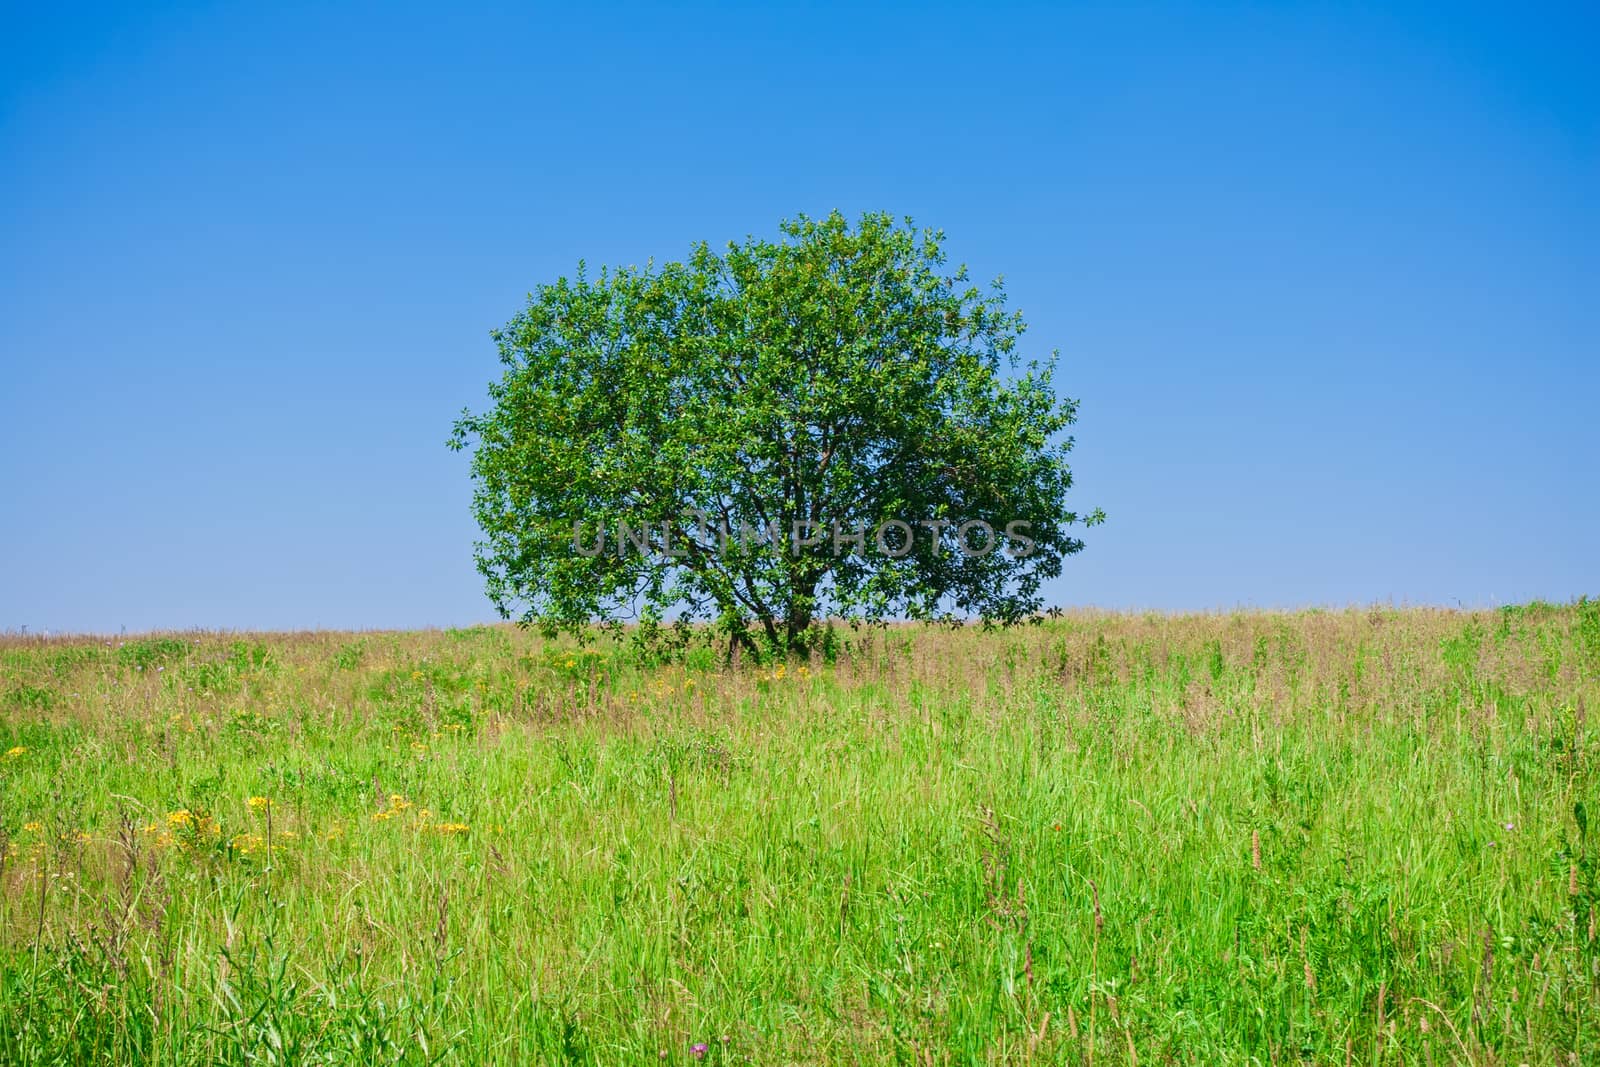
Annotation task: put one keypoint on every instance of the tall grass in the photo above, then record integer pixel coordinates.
(1354, 837)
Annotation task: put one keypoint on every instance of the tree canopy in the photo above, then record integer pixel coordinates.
(823, 425)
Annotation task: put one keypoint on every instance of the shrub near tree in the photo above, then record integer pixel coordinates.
(825, 425)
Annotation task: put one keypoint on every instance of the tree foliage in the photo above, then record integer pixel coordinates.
(834, 380)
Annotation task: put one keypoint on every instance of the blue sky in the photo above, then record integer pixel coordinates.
(1326, 279)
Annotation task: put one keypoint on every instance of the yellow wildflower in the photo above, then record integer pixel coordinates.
(184, 819)
(451, 828)
(33, 827)
(259, 803)
(17, 751)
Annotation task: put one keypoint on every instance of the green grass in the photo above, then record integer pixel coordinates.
(1324, 837)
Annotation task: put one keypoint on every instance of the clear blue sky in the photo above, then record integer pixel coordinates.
(1325, 278)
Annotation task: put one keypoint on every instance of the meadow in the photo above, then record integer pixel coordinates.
(1354, 837)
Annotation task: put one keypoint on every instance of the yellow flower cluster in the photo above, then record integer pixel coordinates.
(663, 686)
(417, 742)
(420, 817)
(184, 819)
(397, 804)
(16, 752)
(183, 825)
(36, 849)
(248, 844)
(781, 672)
(194, 830)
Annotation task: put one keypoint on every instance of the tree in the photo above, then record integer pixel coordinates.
(818, 426)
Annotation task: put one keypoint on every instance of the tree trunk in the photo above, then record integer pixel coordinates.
(739, 640)
(799, 616)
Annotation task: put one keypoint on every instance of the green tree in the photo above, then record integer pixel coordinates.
(740, 437)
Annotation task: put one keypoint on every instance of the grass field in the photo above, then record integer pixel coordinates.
(1353, 837)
